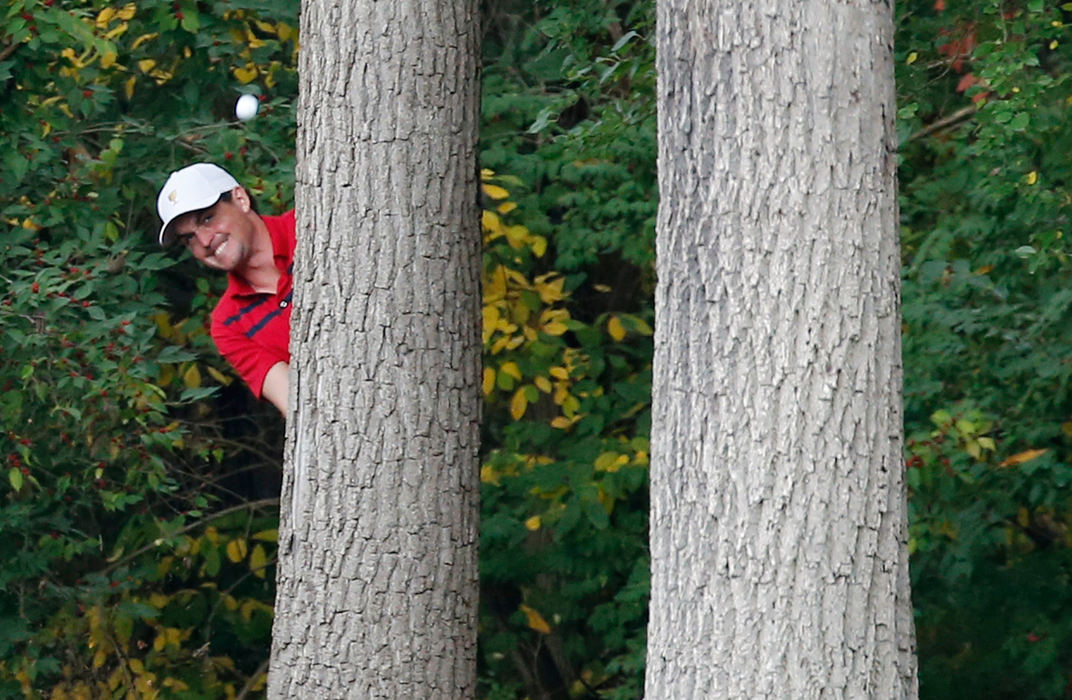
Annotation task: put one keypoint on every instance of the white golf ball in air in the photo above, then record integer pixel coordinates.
(246, 107)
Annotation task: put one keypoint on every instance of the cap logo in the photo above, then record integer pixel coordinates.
(173, 196)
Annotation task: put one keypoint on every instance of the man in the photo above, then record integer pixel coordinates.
(205, 209)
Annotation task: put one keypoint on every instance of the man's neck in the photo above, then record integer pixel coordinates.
(260, 272)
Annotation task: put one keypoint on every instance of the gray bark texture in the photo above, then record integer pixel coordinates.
(778, 524)
(377, 579)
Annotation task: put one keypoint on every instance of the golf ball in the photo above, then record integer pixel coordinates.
(246, 107)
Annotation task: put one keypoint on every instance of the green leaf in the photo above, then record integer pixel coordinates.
(175, 354)
(1020, 121)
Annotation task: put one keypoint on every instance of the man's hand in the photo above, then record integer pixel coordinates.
(276, 386)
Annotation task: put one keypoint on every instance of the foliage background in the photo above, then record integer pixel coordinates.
(137, 520)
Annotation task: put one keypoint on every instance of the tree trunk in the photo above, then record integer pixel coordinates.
(377, 585)
(778, 526)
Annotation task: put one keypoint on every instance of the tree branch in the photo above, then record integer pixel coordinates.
(955, 118)
(9, 49)
(193, 526)
(252, 679)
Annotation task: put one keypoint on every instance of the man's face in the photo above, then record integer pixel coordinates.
(220, 236)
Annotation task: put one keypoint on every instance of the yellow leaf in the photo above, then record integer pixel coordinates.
(260, 683)
(550, 291)
(605, 460)
(485, 173)
(128, 86)
(987, 443)
(142, 39)
(488, 475)
(175, 684)
(192, 377)
(615, 328)
(236, 550)
(146, 64)
(284, 31)
(1021, 457)
(127, 12)
(912, 58)
(562, 422)
(511, 369)
(219, 376)
(1031, 178)
(258, 561)
(490, 314)
(160, 642)
(108, 60)
(137, 666)
(105, 16)
(517, 236)
(533, 523)
(1023, 517)
(554, 328)
(494, 191)
(492, 223)
(518, 404)
(254, 41)
(158, 600)
(506, 207)
(267, 27)
(543, 384)
(538, 245)
(535, 619)
(99, 658)
(117, 31)
(489, 381)
(271, 535)
(245, 75)
(559, 373)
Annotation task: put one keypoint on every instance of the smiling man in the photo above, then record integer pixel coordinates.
(205, 209)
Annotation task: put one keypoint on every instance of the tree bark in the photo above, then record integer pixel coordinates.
(778, 524)
(377, 584)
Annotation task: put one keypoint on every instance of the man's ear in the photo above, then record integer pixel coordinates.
(240, 197)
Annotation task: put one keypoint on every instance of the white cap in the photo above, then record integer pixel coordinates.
(197, 186)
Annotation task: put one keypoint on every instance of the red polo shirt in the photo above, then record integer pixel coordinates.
(251, 329)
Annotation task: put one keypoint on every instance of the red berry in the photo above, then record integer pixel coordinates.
(87, 93)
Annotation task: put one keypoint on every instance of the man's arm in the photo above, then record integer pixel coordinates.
(276, 386)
